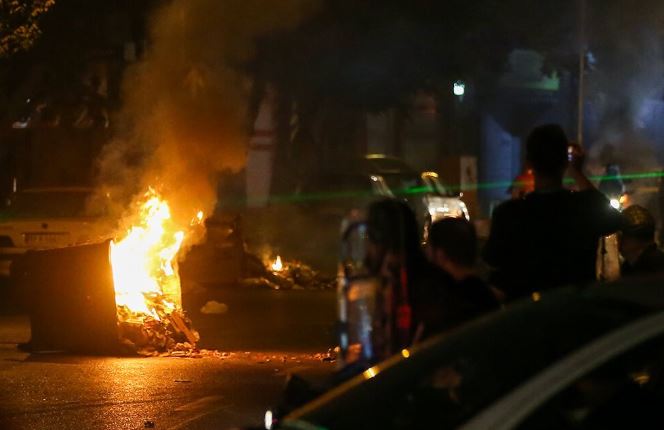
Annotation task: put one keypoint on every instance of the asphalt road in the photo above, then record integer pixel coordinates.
(263, 335)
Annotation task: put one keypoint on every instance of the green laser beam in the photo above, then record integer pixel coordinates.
(452, 188)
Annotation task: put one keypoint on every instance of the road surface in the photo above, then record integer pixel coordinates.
(263, 335)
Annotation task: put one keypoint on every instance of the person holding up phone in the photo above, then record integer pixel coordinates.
(549, 237)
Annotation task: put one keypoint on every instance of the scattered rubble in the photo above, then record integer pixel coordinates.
(293, 275)
(172, 333)
(276, 359)
(330, 355)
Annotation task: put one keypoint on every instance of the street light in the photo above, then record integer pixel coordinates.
(459, 88)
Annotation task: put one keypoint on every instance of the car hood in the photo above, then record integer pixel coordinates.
(38, 233)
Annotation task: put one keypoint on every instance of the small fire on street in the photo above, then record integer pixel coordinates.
(147, 283)
(277, 266)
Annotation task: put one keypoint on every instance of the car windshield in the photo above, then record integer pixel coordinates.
(411, 183)
(434, 185)
(53, 204)
(380, 187)
(405, 183)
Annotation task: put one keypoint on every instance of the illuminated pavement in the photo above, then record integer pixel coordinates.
(69, 392)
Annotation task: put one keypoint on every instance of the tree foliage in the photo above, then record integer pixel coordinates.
(19, 24)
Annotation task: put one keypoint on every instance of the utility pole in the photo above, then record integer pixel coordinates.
(582, 70)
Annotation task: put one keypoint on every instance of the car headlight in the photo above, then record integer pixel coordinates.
(615, 203)
(269, 420)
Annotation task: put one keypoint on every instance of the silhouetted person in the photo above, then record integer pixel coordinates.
(394, 253)
(453, 247)
(550, 237)
(637, 243)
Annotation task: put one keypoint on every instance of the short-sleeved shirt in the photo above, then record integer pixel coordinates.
(547, 239)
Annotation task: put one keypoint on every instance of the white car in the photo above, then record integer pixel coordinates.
(425, 192)
(44, 218)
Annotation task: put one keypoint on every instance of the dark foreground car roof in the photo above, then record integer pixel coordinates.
(494, 355)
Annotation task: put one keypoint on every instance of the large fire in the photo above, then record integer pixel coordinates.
(147, 284)
(144, 263)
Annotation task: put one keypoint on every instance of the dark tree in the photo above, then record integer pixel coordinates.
(19, 24)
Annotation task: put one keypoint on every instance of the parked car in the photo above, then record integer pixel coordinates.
(573, 358)
(427, 195)
(42, 218)
(330, 199)
(353, 183)
(441, 202)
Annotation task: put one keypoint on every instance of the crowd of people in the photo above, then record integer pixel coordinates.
(541, 239)
(544, 237)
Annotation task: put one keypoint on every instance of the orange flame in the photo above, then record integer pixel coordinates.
(277, 266)
(144, 271)
(198, 219)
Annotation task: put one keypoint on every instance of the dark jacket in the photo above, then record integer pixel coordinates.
(440, 303)
(650, 262)
(547, 239)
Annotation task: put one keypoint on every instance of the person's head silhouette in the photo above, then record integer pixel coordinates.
(546, 153)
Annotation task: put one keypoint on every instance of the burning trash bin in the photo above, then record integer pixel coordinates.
(110, 297)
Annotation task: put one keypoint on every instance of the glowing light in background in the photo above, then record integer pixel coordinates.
(268, 420)
(459, 88)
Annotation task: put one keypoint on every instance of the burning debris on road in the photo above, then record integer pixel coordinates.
(284, 275)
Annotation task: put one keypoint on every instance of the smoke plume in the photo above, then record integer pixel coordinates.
(625, 39)
(184, 115)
